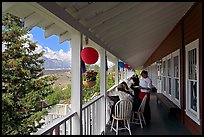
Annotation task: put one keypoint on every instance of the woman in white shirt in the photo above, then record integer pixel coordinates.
(145, 88)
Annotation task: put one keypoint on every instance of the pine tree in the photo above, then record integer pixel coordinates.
(23, 83)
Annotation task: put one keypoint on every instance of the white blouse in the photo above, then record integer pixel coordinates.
(122, 95)
(145, 83)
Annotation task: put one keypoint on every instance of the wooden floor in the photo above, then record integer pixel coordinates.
(161, 123)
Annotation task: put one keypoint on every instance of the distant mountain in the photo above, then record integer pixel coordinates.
(55, 63)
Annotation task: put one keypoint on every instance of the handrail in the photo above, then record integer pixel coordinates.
(92, 101)
(114, 86)
(59, 121)
(54, 124)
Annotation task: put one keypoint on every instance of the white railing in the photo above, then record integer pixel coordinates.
(91, 114)
(56, 111)
(91, 119)
(58, 126)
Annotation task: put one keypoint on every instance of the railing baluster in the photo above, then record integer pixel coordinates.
(84, 122)
(88, 121)
(97, 115)
(92, 119)
(70, 126)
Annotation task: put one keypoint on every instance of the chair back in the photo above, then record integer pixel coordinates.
(142, 105)
(123, 109)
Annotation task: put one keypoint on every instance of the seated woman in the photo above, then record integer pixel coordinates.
(124, 93)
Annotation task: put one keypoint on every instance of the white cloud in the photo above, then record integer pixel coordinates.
(60, 55)
(39, 48)
(51, 54)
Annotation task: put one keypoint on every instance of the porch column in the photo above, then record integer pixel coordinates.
(116, 71)
(125, 77)
(102, 53)
(76, 96)
(122, 74)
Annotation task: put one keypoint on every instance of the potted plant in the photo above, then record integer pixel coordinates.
(89, 79)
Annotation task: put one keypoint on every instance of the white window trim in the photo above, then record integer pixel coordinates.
(159, 76)
(174, 99)
(166, 93)
(190, 46)
(167, 77)
(163, 75)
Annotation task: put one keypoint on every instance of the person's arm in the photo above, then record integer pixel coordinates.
(150, 86)
(145, 88)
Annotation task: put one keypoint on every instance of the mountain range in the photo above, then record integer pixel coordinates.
(55, 63)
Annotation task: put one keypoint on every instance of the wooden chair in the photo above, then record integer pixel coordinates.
(139, 113)
(123, 111)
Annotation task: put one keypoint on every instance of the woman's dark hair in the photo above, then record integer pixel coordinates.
(144, 72)
(124, 83)
(121, 87)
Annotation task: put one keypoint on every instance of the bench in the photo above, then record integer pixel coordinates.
(172, 109)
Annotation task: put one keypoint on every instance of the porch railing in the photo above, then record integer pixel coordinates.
(91, 119)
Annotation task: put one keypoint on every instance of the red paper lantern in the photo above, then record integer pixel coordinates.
(89, 55)
(126, 66)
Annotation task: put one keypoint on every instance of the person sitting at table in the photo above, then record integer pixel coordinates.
(125, 89)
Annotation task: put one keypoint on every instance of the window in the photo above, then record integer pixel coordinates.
(192, 92)
(159, 75)
(169, 75)
(163, 76)
(175, 77)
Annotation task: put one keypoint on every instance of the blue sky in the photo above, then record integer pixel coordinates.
(52, 42)
(53, 49)
(51, 46)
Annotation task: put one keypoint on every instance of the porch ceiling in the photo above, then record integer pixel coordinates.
(130, 31)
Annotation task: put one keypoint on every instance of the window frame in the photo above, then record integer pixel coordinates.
(163, 76)
(168, 57)
(174, 99)
(195, 116)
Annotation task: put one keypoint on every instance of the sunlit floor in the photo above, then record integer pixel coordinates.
(161, 123)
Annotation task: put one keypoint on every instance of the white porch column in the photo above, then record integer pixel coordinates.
(116, 71)
(125, 75)
(121, 73)
(102, 53)
(76, 96)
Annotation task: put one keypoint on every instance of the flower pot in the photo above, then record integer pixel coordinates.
(89, 84)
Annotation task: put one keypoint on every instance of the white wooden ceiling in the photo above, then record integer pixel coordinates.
(130, 31)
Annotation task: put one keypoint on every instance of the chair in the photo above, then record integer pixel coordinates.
(140, 112)
(123, 110)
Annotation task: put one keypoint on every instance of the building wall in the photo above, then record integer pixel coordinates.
(188, 29)
(192, 29)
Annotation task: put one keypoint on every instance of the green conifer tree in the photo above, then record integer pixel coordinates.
(23, 83)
